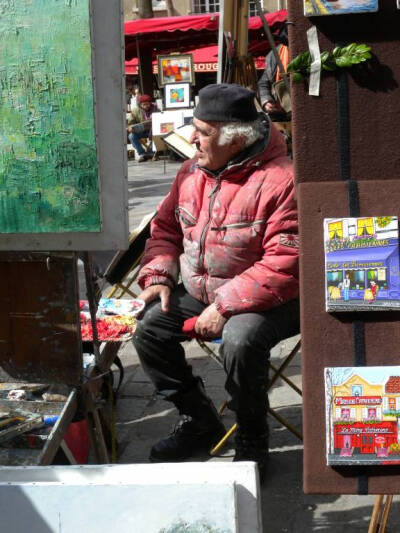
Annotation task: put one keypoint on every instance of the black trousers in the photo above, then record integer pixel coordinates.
(246, 342)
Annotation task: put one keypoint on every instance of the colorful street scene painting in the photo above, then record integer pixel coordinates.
(362, 264)
(338, 7)
(362, 406)
(48, 155)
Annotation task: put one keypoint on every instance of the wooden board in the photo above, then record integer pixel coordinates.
(39, 319)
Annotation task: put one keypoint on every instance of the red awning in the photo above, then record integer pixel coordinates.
(205, 60)
(162, 35)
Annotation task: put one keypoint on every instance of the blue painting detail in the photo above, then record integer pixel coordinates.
(362, 264)
(338, 7)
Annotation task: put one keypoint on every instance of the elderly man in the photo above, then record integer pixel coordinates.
(139, 125)
(228, 228)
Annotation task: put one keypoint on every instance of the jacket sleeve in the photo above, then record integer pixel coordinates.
(160, 263)
(273, 280)
(267, 78)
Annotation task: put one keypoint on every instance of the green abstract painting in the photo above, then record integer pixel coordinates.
(48, 156)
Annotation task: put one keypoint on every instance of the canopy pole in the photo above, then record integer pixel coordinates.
(221, 47)
(145, 69)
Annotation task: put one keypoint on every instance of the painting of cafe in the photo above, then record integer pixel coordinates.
(362, 263)
(362, 415)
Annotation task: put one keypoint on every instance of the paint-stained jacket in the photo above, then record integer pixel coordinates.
(232, 237)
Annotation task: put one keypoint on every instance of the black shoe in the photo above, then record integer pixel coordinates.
(187, 438)
(253, 448)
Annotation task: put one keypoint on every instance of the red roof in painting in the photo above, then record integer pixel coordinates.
(393, 385)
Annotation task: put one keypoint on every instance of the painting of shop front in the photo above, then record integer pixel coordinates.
(48, 156)
(362, 415)
(338, 7)
(362, 264)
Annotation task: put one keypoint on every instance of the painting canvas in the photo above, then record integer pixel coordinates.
(177, 95)
(166, 121)
(362, 264)
(48, 156)
(362, 415)
(338, 7)
(166, 127)
(175, 69)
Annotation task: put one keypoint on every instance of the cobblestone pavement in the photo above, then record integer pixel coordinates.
(142, 418)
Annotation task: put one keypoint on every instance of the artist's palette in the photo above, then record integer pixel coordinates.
(115, 319)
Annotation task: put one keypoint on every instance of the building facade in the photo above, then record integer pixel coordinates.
(188, 7)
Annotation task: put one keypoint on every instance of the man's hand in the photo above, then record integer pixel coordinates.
(210, 323)
(157, 291)
(272, 106)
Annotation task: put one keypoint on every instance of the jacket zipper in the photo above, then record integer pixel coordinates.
(238, 225)
(212, 197)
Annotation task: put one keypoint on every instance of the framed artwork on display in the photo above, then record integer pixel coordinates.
(339, 7)
(362, 264)
(175, 69)
(62, 169)
(176, 95)
(362, 406)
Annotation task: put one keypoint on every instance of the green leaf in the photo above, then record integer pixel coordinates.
(297, 77)
(343, 61)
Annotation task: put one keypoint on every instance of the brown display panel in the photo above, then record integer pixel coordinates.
(374, 117)
(374, 97)
(39, 318)
(331, 342)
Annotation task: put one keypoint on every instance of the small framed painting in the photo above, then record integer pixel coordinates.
(176, 95)
(166, 127)
(362, 408)
(339, 7)
(362, 270)
(176, 68)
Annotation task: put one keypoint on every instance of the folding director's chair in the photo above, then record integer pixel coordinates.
(278, 372)
(123, 269)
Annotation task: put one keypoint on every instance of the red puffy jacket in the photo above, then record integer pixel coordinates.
(232, 237)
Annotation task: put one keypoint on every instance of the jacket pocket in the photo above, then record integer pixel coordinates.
(185, 217)
(239, 225)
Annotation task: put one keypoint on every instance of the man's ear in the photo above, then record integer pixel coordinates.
(238, 142)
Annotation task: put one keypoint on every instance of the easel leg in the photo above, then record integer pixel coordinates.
(96, 437)
(380, 514)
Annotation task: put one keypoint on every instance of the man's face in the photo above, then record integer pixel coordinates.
(212, 155)
(145, 105)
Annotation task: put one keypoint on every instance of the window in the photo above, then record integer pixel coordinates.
(335, 230)
(206, 6)
(334, 277)
(252, 9)
(392, 404)
(379, 276)
(365, 227)
(357, 280)
(345, 415)
(356, 390)
(371, 413)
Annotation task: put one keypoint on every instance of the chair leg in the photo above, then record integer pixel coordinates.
(227, 435)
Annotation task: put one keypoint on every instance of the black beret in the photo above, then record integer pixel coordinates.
(226, 102)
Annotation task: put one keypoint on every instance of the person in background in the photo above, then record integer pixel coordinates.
(227, 230)
(139, 126)
(272, 74)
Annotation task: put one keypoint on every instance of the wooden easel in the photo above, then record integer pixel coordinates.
(380, 513)
(41, 339)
